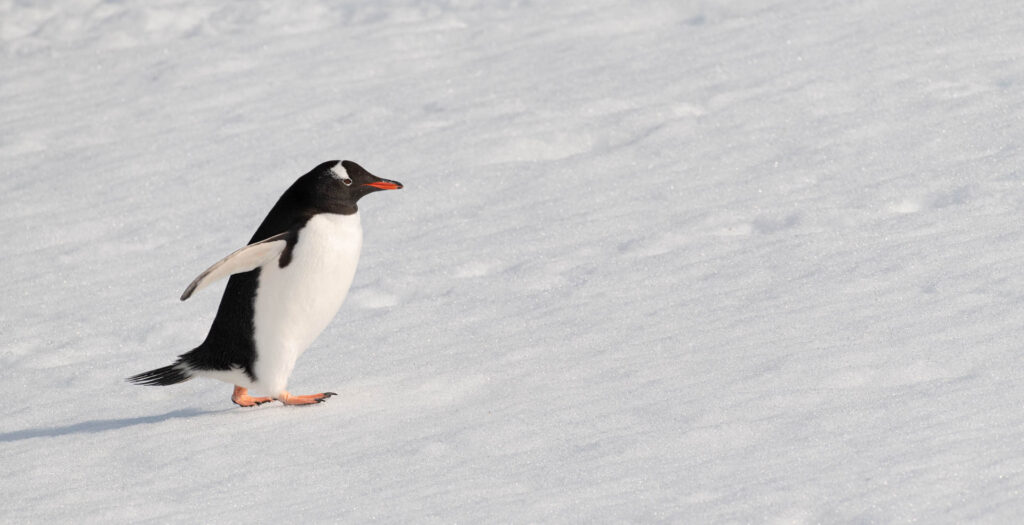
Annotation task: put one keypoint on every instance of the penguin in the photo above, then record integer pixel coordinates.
(284, 287)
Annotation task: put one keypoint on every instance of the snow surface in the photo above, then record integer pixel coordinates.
(686, 261)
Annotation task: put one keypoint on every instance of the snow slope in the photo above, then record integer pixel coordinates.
(691, 261)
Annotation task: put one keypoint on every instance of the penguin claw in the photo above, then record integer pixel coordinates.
(242, 398)
(310, 399)
(250, 403)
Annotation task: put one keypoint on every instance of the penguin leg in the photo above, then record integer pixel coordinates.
(310, 399)
(242, 398)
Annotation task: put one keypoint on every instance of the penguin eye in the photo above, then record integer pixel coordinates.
(343, 177)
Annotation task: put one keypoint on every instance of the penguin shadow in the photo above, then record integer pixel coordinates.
(100, 425)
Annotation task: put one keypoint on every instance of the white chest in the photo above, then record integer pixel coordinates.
(295, 303)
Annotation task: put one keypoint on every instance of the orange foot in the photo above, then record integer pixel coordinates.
(242, 398)
(310, 399)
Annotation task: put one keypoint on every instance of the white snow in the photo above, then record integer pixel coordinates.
(684, 261)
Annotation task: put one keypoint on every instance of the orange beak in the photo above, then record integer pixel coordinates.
(385, 185)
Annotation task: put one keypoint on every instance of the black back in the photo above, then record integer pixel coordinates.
(331, 187)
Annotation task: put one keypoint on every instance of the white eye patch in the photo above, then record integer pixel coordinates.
(343, 177)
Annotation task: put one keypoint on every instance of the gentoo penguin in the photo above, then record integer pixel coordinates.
(285, 286)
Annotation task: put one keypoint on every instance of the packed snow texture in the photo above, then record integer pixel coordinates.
(689, 261)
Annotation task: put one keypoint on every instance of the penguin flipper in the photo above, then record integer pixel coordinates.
(246, 259)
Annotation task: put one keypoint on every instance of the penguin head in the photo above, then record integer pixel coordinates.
(338, 185)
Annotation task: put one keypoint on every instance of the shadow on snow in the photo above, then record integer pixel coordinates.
(99, 425)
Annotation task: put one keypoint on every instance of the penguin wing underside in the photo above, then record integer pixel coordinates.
(246, 259)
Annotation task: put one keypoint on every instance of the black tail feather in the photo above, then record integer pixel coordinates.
(168, 375)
